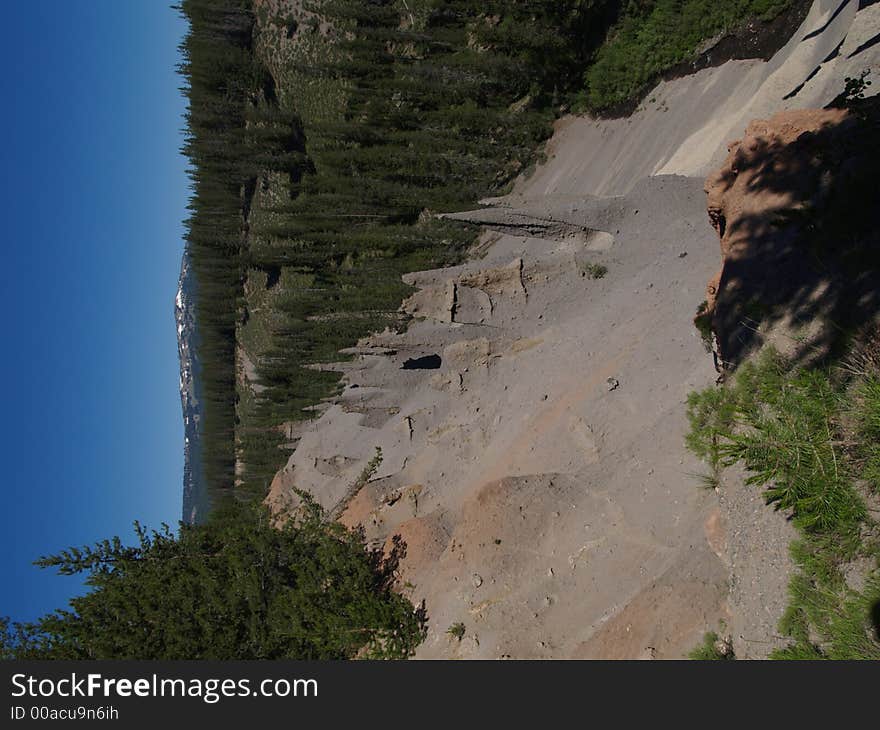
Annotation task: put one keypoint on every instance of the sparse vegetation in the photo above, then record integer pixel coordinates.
(703, 323)
(651, 37)
(456, 630)
(809, 439)
(366, 474)
(594, 270)
(713, 648)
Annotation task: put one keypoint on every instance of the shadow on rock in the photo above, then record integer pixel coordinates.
(795, 207)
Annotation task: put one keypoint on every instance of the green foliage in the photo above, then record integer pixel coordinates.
(703, 323)
(457, 630)
(369, 470)
(366, 474)
(594, 271)
(652, 36)
(784, 428)
(790, 445)
(709, 650)
(807, 437)
(866, 407)
(826, 618)
(8, 639)
(402, 109)
(236, 587)
(711, 415)
(863, 417)
(229, 138)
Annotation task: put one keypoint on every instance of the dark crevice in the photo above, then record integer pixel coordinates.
(428, 362)
(270, 92)
(833, 17)
(273, 275)
(865, 46)
(797, 89)
(833, 53)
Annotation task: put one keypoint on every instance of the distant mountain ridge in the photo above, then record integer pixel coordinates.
(195, 501)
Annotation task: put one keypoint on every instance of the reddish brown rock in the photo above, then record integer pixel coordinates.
(425, 538)
(780, 171)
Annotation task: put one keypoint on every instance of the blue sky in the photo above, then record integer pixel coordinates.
(94, 191)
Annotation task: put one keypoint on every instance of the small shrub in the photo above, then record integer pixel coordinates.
(825, 617)
(366, 474)
(711, 415)
(713, 648)
(710, 481)
(865, 437)
(806, 437)
(456, 630)
(703, 323)
(790, 445)
(594, 271)
(783, 428)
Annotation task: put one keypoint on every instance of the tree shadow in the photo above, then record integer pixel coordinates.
(870, 43)
(809, 258)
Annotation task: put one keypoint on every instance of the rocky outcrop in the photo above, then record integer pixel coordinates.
(781, 207)
(468, 297)
(770, 176)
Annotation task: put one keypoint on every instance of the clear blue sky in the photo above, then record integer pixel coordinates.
(94, 192)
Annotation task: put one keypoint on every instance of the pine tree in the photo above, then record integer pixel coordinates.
(236, 587)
